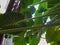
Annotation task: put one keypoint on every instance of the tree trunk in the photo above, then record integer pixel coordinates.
(10, 5)
(13, 6)
(1, 39)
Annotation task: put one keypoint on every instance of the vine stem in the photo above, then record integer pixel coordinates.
(26, 28)
(49, 13)
(35, 27)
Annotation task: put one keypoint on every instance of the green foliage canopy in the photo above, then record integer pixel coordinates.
(33, 28)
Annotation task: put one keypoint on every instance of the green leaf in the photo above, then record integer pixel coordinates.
(31, 9)
(20, 40)
(36, 1)
(33, 40)
(55, 43)
(50, 34)
(24, 5)
(53, 35)
(43, 7)
(38, 21)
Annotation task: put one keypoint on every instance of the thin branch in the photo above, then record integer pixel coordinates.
(35, 27)
(25, 20)
(26, 28)
(49, 13)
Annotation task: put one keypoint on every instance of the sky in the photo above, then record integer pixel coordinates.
(3, 7)
(43, 40)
